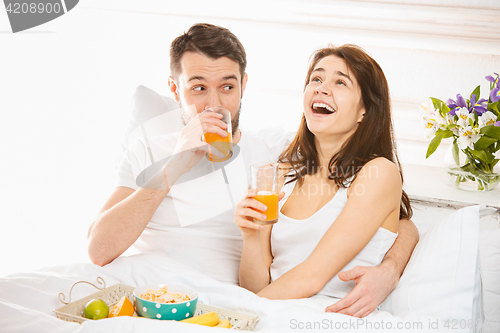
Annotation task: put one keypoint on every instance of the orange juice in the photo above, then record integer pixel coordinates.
(221, 144)
(270, 199)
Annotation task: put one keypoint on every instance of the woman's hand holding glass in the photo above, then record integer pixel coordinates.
(248, 210)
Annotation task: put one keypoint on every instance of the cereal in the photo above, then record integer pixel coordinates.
(163, 296)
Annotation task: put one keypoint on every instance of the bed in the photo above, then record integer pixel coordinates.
(444, 287)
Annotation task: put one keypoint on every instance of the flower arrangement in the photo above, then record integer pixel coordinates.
(474, 125)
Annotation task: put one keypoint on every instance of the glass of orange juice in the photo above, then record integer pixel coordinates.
(215, 141)
(264, 178)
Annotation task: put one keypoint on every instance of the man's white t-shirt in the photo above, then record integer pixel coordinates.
(195, 221)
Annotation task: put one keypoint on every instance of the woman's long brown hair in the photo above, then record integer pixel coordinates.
(373, 137)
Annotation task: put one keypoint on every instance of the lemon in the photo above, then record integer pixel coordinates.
(96, 309)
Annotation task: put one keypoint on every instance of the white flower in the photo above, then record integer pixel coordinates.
(432, 124)
(428, 112)
(487, 118)
(432, 119)
(427, 107)
(463, 117)
(468, 136)
(450, 119)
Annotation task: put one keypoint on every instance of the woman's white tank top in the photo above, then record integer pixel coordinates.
(293, 241)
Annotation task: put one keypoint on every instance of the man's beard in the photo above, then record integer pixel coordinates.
(235, 122)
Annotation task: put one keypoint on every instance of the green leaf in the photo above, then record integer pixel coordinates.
(454, 151)
(484, 142)
(440, 106)
(492, 131)
(489, 157)
(476, 92)
(494, 107)
(467, 168)
(436, 141)
(447, 134)
(479, 154)
(451, 126)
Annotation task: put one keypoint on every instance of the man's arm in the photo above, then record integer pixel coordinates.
(127, 212)
(374, 284)
(399, 254)
(125, 216)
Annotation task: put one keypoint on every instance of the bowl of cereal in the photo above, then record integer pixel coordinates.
(165, 301)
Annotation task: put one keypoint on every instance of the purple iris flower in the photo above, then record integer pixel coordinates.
(497, 123)
(495, 94)
(492, 79)
(455, 106)
(495, 87)
(479, 106)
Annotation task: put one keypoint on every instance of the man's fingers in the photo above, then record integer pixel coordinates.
(353, 309)
(210, 119)
(345, 302)
(216, 130)
(203, 124)
(352, 274)
(209, 115)
(363, 312)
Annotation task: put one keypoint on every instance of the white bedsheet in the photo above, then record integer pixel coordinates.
(27, 301)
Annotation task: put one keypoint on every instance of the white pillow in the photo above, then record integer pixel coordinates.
(442, 279)
(152, 115)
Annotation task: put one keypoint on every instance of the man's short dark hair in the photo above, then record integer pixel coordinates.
(209, 40)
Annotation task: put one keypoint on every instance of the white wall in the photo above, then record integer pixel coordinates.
(65, 90)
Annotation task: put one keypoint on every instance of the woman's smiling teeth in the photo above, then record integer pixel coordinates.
(322, 108)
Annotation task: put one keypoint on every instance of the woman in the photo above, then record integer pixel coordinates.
(343, 194)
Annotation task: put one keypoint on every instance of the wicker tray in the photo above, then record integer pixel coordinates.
(73, 311)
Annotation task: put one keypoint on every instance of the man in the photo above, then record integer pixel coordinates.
(179, 214)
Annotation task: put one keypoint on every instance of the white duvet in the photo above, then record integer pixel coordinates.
(27, 301)
(443, 267)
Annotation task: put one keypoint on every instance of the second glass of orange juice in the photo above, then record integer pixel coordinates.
(264, 178)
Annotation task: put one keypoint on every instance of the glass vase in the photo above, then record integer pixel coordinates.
(465, 175)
